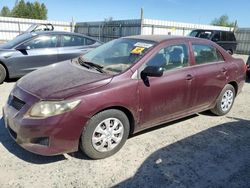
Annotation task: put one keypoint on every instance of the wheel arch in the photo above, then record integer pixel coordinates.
(235, 85)
(127, 112)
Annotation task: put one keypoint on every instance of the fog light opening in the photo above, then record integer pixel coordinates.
(41, 141)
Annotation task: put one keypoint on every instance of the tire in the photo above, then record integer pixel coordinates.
(225, 101)
(2, 74)
(99, 140)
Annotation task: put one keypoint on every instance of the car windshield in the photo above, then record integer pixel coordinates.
(118, 55)
(16, 41)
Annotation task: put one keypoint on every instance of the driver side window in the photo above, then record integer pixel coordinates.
(44, 41)
(171, 57)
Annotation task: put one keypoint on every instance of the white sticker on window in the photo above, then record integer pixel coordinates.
(143, 45)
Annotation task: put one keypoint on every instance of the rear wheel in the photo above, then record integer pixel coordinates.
(2, 74)
(225, 101)
(105, 134)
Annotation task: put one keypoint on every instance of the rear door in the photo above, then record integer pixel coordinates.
(210, 72)
(37, 52)
(166, 97)
(72, 46)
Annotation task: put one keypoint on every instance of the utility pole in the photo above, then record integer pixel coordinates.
(142, 20)
(235, 26)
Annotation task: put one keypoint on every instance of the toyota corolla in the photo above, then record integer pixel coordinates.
(124, 86)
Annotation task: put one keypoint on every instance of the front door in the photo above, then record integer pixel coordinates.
(169, 96)
(36, 53)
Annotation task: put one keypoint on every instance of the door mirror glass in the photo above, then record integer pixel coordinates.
(152, 71)
(23, 48)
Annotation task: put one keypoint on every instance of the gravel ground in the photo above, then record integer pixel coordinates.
(199, 151)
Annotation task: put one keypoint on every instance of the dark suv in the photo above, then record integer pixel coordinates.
(225, 39)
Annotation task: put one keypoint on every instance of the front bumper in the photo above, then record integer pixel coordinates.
(50, 136)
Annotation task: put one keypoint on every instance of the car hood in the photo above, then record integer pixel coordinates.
(62, 80)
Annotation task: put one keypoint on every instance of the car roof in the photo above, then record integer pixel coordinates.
(32, 34)
(58, 32)
(158, 38)
(211, 30)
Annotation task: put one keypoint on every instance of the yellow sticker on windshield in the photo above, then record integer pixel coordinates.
(137, 50)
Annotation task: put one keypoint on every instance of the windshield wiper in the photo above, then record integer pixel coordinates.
(89, 65)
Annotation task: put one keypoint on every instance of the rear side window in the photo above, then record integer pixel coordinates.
(227, 36)
(223, 36)
(72, 40)
(206, 54)
(89, 41)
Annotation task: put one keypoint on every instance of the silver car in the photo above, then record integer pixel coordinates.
(31, 51)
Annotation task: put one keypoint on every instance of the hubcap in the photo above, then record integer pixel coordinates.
(227, 100)
(107, 135)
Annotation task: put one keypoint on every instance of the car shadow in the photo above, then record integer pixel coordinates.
(21, 153)
(9, 80)
(208, 113)
(216, 157)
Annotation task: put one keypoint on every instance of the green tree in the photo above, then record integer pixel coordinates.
(26, 10)
(5, 11)
(223, 21)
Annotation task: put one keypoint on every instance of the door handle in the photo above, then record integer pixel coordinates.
(189, 77)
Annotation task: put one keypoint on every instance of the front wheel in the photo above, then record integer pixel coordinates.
(225, 101)
(105, 134)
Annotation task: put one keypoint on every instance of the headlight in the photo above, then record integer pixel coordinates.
(45, 109)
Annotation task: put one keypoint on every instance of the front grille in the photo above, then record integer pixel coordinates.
(15, 102)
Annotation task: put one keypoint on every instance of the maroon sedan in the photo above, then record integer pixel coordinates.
(122, 87)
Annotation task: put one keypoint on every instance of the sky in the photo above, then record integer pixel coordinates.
(189, 11)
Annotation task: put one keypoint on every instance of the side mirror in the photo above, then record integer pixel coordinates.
(215, 39)
(22, 48)
(152, 71)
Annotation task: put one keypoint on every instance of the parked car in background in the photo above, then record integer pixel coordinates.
(225, 39)
(120, 88)
(31, 51)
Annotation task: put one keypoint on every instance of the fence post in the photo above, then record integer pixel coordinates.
(72, 25)
(19, 29)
